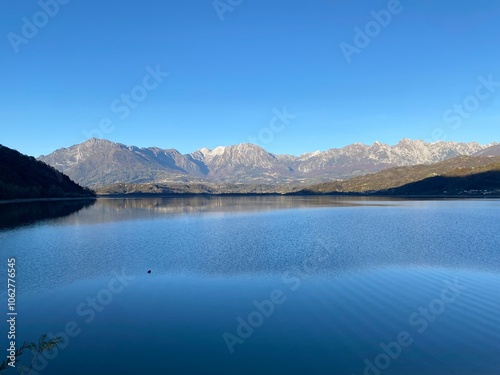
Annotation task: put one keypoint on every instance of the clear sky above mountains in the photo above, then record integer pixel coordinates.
(291, 76)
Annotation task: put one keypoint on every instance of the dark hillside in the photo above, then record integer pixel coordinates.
(23, 176)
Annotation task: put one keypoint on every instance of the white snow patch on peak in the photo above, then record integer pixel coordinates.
(218, 150)
(204, 150)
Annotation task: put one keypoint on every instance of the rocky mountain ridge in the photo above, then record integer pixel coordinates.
(99, 162)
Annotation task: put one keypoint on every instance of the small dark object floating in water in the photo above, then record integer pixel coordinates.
(149, 271)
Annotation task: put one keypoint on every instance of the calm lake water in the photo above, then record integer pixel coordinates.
(257, 285)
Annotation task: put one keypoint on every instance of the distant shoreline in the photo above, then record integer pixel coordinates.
(186, 195)
(409, 196)
(241, 195)
(357, 195)
(29, 200)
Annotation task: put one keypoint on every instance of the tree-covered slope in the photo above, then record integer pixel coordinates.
(23, 176)
(390, 179)
(464, 181)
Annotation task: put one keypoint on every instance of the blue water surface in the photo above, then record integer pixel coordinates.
(259, 285)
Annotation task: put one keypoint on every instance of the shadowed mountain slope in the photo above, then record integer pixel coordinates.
(23, 176)
(388, 181)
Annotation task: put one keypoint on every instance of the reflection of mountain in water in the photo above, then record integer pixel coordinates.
(104, 210)
(13, 215)
(118, 209)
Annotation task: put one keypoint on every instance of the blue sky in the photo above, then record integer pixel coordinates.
(229, 78)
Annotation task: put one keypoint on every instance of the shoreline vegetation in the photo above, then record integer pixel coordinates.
(24, 177)
(300, 194)
(35, 200)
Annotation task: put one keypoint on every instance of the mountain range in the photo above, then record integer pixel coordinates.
(97, 162)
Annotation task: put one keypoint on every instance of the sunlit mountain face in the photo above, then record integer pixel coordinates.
(99, 162)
